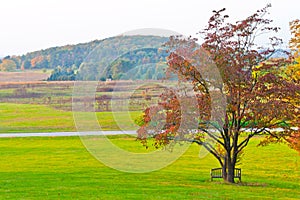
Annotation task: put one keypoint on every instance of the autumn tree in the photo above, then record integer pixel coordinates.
(36, 60)
(239, 91)
(295, 40)
(7, 65)
(293, 72)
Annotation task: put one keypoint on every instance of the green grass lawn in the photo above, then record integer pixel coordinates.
(41, 118)
(61, 168)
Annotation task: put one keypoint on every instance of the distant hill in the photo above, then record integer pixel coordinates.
(50, 58)
(125, 57)
(281, 53)
(98, 59)
(121, 57)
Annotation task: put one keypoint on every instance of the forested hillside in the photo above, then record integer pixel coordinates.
(66, 56)
(67, 61)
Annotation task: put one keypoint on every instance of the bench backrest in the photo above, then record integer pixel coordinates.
(218, 173)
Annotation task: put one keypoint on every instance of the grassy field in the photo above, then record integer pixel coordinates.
(61, 168)
(41, 118)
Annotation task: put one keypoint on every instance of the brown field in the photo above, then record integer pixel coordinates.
(23, 76)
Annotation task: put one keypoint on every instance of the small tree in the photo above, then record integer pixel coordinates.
(251, 96)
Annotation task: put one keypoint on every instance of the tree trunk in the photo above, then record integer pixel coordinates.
(230, 173)
(228, 170)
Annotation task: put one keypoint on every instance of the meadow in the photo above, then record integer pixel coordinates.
(61, 168)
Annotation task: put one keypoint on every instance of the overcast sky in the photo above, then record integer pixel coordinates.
(28, 25)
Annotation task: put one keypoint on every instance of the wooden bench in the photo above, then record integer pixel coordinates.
(218, 173)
